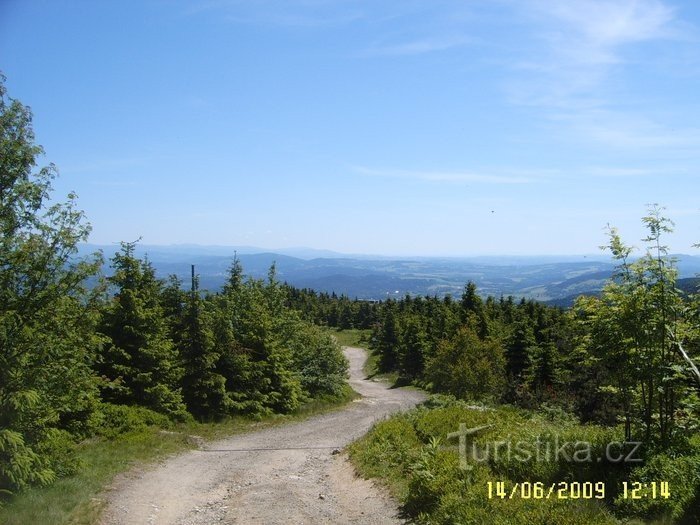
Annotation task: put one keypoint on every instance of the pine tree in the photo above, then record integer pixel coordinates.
(412, 348)
(467, 367)
(544, 371)
(139, 360)
(518, 346)
(255, 363)
(387, 340)
(204, 390)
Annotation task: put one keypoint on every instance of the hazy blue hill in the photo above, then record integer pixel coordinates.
(689, 284)
(558, 280)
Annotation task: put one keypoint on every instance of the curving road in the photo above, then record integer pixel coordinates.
(286, 474)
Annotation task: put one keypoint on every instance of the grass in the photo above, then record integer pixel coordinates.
(371, 370)
(78, 499)
(351, 336)
(411, 455)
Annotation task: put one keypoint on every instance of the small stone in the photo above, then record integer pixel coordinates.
(335, 451)
(321, 496)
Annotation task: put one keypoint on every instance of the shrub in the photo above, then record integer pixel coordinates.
(120, 419)
(683, 477)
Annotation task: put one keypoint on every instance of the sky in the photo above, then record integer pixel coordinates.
(431, 127)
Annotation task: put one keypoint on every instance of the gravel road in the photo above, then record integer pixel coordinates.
(286, 474)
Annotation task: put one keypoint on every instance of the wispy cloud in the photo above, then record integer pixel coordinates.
(447, 176)
(571, 72)
(418, 46)
(592, 30)
(580, 44)
(628, 130)
(505, 175)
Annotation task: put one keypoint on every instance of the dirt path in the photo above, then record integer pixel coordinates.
(286, 474)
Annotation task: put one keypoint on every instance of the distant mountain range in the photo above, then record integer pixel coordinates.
(553, 279)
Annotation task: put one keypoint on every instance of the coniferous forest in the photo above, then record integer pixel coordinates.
(83, 354)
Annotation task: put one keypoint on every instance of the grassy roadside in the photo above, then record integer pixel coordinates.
(351, 336)
(360, 338)
(78, 500)
(413, 456)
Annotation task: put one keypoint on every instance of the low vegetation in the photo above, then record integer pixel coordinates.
(414, 456)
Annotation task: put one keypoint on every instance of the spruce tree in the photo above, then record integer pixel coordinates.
(139, 360)
(204, 390)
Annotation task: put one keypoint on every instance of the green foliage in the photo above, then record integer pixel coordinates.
(632, 331)
(257, 365)
(467, 366)
(413, 454)
(388, 450)
(412, 348)
(204, 389)
(47, 318)
(122, 419)
(317, 359)
(387, 340)
(682, 474)
(139, 361)
(429, 475)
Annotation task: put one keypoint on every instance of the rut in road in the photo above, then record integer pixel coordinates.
(285, 474)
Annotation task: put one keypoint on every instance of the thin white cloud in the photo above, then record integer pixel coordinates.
(522, 176)
(604, 24)
(419, 46)
(581, 49)
(630, 131)
(581, 42)
(446, 176)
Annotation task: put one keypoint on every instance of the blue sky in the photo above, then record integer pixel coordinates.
(428, 127)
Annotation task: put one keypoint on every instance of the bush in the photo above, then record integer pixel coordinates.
(467, 367)
(317, 359)
(52, 455)
(120, 419)
(683, 477)
(413, 453)
(390, 446)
